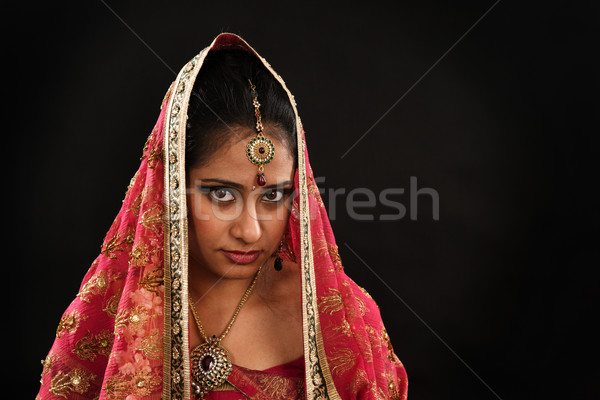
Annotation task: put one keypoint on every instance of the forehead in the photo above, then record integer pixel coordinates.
(231, 160)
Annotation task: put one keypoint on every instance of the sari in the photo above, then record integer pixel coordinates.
(125, 336)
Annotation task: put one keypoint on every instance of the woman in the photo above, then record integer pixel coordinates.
(220, 277)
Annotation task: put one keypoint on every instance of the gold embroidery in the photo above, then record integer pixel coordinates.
(378, 392)
(47, 364)
(357, 310)
(153, 280)
(274, 385)
(314, 190)
(393, 391)
(133, 319)
(362, 382)
(358, 382)
(151, 346)
(120, 386)
(324, 248)
(132, 180)
(98, 284)
(342, 360)
(147, 144)
(332, 303)
(144, 383)
(121, 321)
(118, 243)
(365, 347)
(152, 219)
(89, 347)
(140, 255)
(335, 256)
(154, 154)
(319, 244)
(344, 328)
(386, 339)
(77, 380)
(136, 203)
(117, 387)
(69, 323)
(138, 316)
(166, 95)
(374, 336)
(154, 157)
(364, 291)
(112, 304)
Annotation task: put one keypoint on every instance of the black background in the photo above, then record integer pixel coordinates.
(502, 127)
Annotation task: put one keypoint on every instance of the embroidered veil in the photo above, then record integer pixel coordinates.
(125, 335)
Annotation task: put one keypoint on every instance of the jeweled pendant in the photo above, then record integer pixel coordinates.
(260, 179)
(260, 150)
(210, 365)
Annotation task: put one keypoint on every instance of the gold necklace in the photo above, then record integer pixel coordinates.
(210, 362)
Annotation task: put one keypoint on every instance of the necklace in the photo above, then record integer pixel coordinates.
(210, 362)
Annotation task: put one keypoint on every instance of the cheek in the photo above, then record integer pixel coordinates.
(275, 222)
(202, 213)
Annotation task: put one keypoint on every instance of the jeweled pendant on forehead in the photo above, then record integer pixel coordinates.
(260, 179)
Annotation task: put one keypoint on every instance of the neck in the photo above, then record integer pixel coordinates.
(214, 292)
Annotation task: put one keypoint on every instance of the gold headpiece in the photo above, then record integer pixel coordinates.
(260, 149)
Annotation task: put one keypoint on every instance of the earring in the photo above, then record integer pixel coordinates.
(278, 264)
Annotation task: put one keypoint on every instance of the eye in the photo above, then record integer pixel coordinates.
(222, 194)
(273, 195)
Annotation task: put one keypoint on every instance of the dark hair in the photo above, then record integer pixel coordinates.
(221, 100)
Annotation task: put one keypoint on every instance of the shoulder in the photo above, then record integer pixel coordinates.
(366, 304)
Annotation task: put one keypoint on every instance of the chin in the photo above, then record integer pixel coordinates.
(237, 271)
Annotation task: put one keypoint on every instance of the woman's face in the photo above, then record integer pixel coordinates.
(236, 225)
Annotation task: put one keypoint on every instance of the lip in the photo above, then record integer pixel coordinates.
(241, 257)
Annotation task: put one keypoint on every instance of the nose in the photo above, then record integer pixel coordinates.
(247, 226)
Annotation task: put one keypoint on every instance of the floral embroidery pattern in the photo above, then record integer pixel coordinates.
(47, 364)
(332, 303)
(97, 285)
(119, 242)
(144, 254)
(90, 346)
(342, 360)
(77, 380)
(137, 376)
(152, 219)
(153, 280)
(112, 304)
(69, 323)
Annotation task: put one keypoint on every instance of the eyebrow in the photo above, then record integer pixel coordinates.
(240, 186)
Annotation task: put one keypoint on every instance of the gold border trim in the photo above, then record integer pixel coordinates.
(176, 367)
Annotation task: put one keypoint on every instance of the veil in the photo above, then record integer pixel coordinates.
(125, 335)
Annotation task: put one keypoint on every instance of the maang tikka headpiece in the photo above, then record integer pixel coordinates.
(260, 149)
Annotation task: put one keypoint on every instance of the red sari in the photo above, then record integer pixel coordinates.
(125, 336)
(285, 381)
